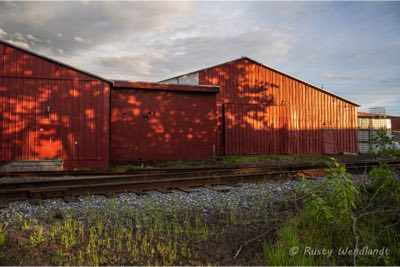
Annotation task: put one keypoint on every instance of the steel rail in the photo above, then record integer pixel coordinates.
(50, 191)
(43, 174)
(44, 189)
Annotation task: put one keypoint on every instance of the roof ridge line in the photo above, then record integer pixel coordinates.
(270, 68)
(54, 60)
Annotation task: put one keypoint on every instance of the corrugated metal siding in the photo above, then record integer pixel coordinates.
(49, 111)
(395, 123)
(151, 126)
(268, 112)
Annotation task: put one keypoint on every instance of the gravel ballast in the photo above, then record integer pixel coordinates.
(205, 199)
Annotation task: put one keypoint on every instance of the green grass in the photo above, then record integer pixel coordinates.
(338, 217)
(333, 215)
(228, 161)
(117, 234)
(131, 237)
(248, 159)
(2, 236)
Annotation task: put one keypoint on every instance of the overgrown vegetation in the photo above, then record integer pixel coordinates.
(323, 224)
(237, 161)
(384, 144)
(117, 235)
(341, 224)
(2, 236)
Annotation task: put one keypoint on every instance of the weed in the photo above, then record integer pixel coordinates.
(225, 161)
(334, 217)
(383, 185)
(25, 225)
(37, 238)
(335, 199)
(2, 235)
(20, 218)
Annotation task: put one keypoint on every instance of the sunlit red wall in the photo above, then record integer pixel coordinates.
(262, 111)
(50, 111)
(155, 125)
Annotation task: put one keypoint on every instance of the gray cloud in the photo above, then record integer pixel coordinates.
(2, 33)
(69, 24)
(81, 40)
(352, 48)
(353, 77)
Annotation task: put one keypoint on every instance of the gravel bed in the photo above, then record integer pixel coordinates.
(206, 199)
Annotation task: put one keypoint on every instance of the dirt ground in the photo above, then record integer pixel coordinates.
(219, 249)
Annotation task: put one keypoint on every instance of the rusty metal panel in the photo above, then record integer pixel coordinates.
(150, 125)
(266, 111)
(166, 87)
(328, 142)
(395, 123)
(220, 129)
(47, 113)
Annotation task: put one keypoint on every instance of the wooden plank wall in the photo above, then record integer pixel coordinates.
(50, 111)
(267, 112)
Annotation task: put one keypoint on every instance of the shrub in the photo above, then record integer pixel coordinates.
(337, 215)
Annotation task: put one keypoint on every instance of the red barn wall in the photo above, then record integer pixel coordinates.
(50, 111)
(395, 123)
(262, 111)
(154, 125)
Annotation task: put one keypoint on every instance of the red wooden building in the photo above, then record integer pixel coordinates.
(153, 122)
(49, 110)
(265, 111)
(53, 112)
(395, 123)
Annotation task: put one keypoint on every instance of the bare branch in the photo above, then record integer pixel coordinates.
(355, 228)
(252, 240)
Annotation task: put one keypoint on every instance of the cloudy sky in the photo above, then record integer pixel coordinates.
(352, 48)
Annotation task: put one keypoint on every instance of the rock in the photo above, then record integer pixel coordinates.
(206, 200)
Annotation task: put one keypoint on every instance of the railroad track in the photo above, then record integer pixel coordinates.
(43, 174)
(136, 181)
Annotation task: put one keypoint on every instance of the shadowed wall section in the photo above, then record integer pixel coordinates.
(395, 123)
(261, 110)
(49, 110)
(155, 122)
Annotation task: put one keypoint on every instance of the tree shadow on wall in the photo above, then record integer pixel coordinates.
(49, 111)
(153, 126)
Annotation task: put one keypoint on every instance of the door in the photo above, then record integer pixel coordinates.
(328, 142)
(221, 131)
(47, 146)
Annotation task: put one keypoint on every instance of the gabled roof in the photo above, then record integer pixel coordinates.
(373, 115)
(54, 61)
(275, 70)
(120, 84)
(369, 115)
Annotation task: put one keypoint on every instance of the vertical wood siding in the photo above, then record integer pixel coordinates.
(261, 111)
(152, 125)
(49, 111)
(395, 123)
